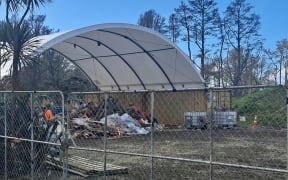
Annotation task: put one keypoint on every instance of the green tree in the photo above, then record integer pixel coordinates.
(152, 19)
(220, 48)
(241, 26)
(183, 17)
(18, 33)
(37, 25)
(16, 43)
(51, 71)
(282, 54)
(272, 70)
(204, 18)
(173, 28)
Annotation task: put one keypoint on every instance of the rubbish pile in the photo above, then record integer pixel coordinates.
(88, 120)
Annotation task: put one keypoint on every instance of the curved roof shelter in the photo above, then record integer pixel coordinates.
(121, 57)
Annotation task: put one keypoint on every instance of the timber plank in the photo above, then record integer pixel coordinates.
(85, 167)
(70, 170)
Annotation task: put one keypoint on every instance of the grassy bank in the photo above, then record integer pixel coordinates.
(268, 104)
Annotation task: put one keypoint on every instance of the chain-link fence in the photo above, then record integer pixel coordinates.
(256, 148)
(231, 133)
(26, 137)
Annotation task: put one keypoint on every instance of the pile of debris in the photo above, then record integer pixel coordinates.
(89, 120)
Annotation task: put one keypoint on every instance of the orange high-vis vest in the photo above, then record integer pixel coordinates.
(48, 115)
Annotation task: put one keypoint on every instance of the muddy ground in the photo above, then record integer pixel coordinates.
(185, 154)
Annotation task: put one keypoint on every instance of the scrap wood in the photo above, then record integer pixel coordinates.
(84, 134)
(113, 105)
(96, 132)
(93, 125)
(70, 170)
(87, 167)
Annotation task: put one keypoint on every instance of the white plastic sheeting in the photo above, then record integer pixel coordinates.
(121, 57)
(125, 123)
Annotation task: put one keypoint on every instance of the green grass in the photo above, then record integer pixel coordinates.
(268, 104)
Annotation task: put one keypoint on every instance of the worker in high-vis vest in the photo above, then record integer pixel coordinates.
(48, 113)
(51, 123)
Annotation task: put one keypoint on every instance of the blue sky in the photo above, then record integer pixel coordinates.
(72, 14)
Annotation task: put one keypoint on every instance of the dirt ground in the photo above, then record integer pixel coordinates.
(185, 154)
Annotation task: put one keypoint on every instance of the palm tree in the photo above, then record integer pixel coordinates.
(18, 33)
(16, 44)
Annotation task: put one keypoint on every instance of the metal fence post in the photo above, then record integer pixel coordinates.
(105, 136)
(5, 134)
(32, 135)
(211, 133)
(65, 138)
(152, 135)
(287, 127)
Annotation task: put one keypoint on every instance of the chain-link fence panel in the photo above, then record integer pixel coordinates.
(251, 133)
(113, 128)
(228, 173)
(27, 139)
(142, 132)
(181, 138)
(231, 133)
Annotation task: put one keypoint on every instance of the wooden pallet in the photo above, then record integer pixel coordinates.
(86, 167)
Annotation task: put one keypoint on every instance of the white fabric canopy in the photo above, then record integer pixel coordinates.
(121, 57)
